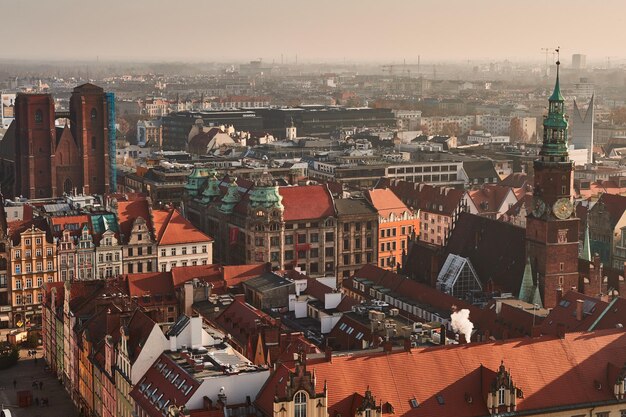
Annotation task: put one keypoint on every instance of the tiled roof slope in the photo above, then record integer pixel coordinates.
(434, 199)
(386, 202)
(551, 372)
(496, 250)
(172, 228)
(307, 202)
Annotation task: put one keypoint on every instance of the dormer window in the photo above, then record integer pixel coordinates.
(501, 391)
(299, 404)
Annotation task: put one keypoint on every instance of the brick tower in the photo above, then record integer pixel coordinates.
(34, 146)
(51, 160)
(551, 227)
(90, 128)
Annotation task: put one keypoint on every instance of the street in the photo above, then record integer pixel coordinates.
(25, 373)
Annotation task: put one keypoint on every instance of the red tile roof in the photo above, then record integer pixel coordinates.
(490, 197)
(240, 320)
(129, 211)
(307, 202)
(433, 199)
(139, 328)
(171, 228)
(549, 371)
(615, 205)
(236, 274)
(220, 276)
(63, 221)
(164, 386)
(149, 283)
(386, 202)
(207, 273)
(497, 250)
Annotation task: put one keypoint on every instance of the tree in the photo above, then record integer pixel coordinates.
(9, 355)
(516, 131)
(618, 116)
(450, 129)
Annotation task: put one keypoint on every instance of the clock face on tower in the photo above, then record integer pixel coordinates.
(539, 207)
(563, 208)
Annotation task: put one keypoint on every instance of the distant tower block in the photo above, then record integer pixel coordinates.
(579, 61)
(582, 129)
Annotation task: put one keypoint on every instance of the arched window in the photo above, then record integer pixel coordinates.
(94, 114)
(38, 116)
(93, 143)
(501, 396)
(299, 404)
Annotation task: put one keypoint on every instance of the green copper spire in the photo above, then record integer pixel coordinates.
(555, 124)
(526, 290)
(556, 94)
(536, 300)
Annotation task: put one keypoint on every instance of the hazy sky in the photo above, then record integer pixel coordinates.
(331, 30)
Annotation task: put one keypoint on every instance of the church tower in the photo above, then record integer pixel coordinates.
(551, 227)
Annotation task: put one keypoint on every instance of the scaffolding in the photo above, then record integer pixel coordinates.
(110, 97)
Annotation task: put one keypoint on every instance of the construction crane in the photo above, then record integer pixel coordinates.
(547, 52)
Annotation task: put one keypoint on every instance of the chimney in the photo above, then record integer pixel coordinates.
(579, 310)
(328, 354)
(208, 403)
(407, 345)
(387, 346)
(559, 295)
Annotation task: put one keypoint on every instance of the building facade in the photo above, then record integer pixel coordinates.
(33, 262)
(397, 224)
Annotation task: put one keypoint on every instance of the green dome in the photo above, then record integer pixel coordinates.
(195, 180)
(266, 197)
(212, 190)
(232, 197)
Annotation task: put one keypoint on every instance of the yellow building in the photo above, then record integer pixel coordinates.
(32, 262)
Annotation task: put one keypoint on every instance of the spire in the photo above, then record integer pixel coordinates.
(526, 290)
(555, 125)
(536, 300)
(556, 94)
(586, 255)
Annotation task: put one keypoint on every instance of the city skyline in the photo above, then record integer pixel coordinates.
(320, 31)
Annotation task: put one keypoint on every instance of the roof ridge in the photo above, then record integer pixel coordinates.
(166, 224)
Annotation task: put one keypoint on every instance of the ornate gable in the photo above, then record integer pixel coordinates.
(502, 393)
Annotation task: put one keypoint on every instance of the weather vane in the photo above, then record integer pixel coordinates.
(558, 55)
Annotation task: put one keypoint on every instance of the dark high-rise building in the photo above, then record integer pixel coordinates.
(552, 226)
(52, 160)
(318, 120)
(176, 126)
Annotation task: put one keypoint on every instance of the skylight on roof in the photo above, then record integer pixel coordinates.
(440, 399)
(414, 403)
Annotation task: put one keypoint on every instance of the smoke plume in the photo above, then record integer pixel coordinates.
(461, 323)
